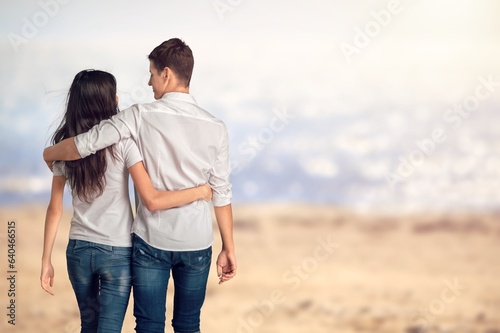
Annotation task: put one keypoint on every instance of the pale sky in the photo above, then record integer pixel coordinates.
(356, 114)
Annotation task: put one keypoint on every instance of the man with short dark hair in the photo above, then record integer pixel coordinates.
(182, 146)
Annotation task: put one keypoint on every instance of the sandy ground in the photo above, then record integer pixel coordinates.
(304, 269)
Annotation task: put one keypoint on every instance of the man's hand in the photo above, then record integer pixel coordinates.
(226, 261)
(226, 266)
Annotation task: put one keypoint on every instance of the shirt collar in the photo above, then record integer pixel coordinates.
(177, 96)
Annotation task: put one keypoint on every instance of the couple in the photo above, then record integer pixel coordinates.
(183, 148)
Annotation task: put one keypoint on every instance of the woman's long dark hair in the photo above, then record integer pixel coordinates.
(91, 98)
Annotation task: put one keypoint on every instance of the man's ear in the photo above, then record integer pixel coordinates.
(166, 73)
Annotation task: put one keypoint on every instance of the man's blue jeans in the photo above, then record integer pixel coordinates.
(151, 270)
(101, 278)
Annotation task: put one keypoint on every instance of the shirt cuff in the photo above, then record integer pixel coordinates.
(81, 146)
(221, 201)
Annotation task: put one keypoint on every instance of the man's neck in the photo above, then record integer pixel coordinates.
(184, 90)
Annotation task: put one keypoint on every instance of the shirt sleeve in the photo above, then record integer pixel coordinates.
(58, 168)
(219, 175)
(131, 153)
(108, 132)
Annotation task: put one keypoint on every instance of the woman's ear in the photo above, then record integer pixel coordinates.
(117, 100)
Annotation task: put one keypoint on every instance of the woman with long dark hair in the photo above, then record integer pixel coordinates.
(99, 249)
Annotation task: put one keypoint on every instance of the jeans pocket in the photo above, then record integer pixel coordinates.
(78, 246)
(142, 255)
(72, 259)
(200, 259)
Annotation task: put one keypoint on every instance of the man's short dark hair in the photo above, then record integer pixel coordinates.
(177, 56)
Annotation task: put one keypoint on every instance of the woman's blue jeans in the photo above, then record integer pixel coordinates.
(101, 278)
(151, 270)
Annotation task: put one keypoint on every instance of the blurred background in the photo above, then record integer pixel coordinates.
(339, 113)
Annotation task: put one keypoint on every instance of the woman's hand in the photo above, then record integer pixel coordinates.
(206, 192)
(47, 278)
